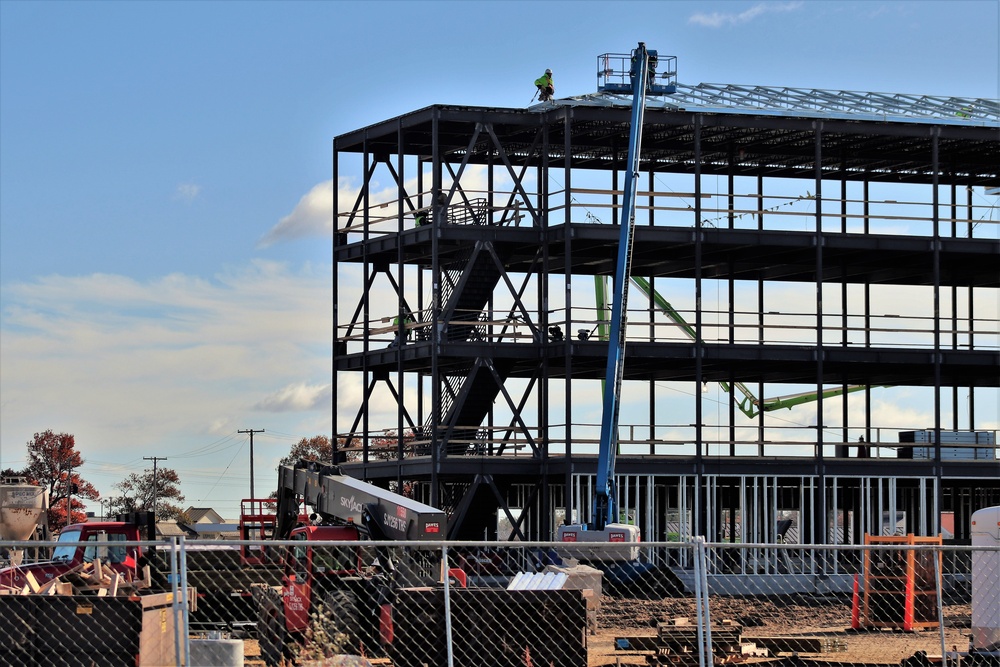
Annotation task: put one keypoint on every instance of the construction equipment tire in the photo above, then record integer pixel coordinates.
(272, 634)
(341, 621)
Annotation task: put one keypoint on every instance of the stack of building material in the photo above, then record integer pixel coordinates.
(678, 642)
(801, 644)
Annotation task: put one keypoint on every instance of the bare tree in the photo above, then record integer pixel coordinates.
(136, 493)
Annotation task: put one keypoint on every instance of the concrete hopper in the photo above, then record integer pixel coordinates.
(22, 507)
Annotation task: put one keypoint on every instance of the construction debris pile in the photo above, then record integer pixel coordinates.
(85, 579)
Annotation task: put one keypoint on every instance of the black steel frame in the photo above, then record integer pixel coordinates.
(473, 477)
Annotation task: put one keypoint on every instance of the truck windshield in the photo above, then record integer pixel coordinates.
(64, 549)
(103, 546)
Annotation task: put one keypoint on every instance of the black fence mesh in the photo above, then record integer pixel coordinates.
(899, 601)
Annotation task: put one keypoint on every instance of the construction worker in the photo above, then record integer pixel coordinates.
(405, 336)
(862, 448)
(545, 87)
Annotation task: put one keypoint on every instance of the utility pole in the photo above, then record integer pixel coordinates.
(251, 432)
(69, 496)
(154, 459)
(106, 504)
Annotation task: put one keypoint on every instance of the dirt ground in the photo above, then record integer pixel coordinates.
(760, 617)
(251, 653)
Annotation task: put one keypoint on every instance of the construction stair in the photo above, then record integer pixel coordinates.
(468, 392)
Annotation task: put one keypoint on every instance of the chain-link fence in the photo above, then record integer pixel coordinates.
(895, 601)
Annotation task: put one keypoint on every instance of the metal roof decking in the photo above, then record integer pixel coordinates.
(840, 104)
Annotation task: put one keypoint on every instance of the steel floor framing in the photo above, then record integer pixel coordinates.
(740, 254)
(427, 155)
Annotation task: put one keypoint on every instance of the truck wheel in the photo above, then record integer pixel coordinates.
(341, 622)
(271, 633)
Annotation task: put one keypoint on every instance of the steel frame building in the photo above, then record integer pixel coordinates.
(468, 352)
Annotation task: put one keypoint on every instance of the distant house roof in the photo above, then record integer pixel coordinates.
(171, 529)
(204, 515)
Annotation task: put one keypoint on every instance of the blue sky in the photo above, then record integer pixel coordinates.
(148, 148)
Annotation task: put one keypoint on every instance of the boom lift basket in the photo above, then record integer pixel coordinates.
(614, 73)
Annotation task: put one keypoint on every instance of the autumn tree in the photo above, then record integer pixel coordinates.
(54, 463)
(138, 492)
(382, 446)
(316, 448)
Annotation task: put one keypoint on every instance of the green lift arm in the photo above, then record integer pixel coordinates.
(749, 404)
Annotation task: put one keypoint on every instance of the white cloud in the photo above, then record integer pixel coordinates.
(721, 19)
(311, 217)
(297, 397)
(123, 363)
(187, 192)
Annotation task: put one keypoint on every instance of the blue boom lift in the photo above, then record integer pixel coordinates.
(605, 523)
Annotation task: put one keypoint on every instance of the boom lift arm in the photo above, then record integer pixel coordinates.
(604, 526)
(642, 80)
(605, 508)
(340, 499)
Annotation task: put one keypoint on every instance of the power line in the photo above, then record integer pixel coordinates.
(221, 475)
(218, 446)
(284, 436)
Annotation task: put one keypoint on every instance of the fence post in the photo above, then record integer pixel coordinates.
(447, 606)
(701, 602)
(938, 556)
(185, 604)
(699, 615)
(709, 650)
(174, 581)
